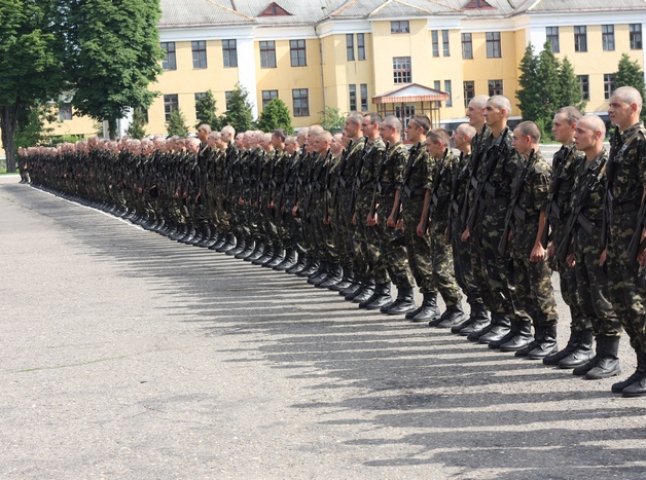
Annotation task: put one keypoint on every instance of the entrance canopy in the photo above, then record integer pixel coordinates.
(409, 100)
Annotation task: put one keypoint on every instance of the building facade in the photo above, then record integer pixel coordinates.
(393, 56)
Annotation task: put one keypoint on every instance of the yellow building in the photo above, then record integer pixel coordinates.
(393, 56)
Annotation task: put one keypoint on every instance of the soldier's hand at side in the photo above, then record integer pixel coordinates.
(421, 231)
(603, 257)
(400, 224)
(570, 260)
(354, 219)
(294, 211)
(538, 253)
(371, 220)
(465, 235)
(641, 258)
(551, 250)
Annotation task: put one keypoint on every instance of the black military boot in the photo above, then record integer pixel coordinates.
(501, 326)
(478, 318)
(279, 256)
(249, 249)
(429, 310)
(638, 376)
(347, 281)
(299, 266)
(257, 251)
(230, 244)
(404, 302)
(522, 329)
(178, 232)
(241, 244)
(608, 363)
(221, 241)
(582, 352)
(351, 290)
(475, 333)
(335, 276)
(312, 265)
(379, 299)
(366, 291)
(267, 255)
(546, 343)
(319, 275)
(572, 343)
(289, 261)
(210, 236)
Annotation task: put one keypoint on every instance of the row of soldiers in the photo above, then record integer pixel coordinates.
(359, 211)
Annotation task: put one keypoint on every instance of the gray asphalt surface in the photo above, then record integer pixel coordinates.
(124, 355)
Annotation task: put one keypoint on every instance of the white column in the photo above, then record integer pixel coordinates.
(247, 70)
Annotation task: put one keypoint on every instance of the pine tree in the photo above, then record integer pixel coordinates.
(206, 110)
(275, 115)
(176, 125)
(569, 87)
(548, 85)
(331, 119)
(630, 74)
(529, 97)
(238, 113)
(137, 128)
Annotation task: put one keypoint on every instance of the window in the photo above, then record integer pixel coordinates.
(230, 53)
(361, 46)
(65, 111)
(199, 54)
(584, 82)
(467, 46)
(446, 52)
(268, 54)
(493, 45)
(469, 92)
(402, 72)
(268, 96)
(349, 46)
(552, 34)
(364, 97)
(635, 36)
(436, 43)
(399, 26)
(608, 37)
(170, 60)
(352, 90)
(495, 87)
(228, 95)
(297, 53)
(437, 85)
(608, 81)
(171, 104)
(448, 89)
(301, 102)
(580, 38)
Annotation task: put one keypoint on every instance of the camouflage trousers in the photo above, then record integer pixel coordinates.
(443, 269)
(420, 254)
(624, 293)
(394, 254)
(462, 263)
(532, 292)
(369, 246)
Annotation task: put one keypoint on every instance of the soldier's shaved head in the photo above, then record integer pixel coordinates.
(629, 95)
(501, 102)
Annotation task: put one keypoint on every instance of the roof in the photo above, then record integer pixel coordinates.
(412, 93)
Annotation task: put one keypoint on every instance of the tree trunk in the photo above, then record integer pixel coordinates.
(112, 128)
(8, 125)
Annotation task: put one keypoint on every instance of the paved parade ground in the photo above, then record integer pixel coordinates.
(124, 355)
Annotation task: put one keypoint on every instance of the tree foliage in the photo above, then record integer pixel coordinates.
(332, 120)
(137, 128)
(31, 129)
(113, 55)
(239, 114)
(206, 109)
(176, 125)
(31, 63)
(630, 74)
(528, 95)
(275, 115)
(569, 87)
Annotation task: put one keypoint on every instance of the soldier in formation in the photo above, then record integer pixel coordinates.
(360, 211)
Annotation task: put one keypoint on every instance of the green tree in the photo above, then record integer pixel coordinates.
(238, 113)
(31, 129)
(569, 87)
(548, 85)
(332, 120)
(206, 110)
(529, 99)
(275, 115)
(630, 74)
(113, 55)
(31, 63)
(176, 125)
(137, 128)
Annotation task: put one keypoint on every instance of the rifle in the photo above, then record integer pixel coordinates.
(436, 185)
(554, 191)
(566, 241)
(515, 198)
(377, 188)
(473, 181)
(341, 179)
(495, 153)
(608, 197)
(357, 178)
